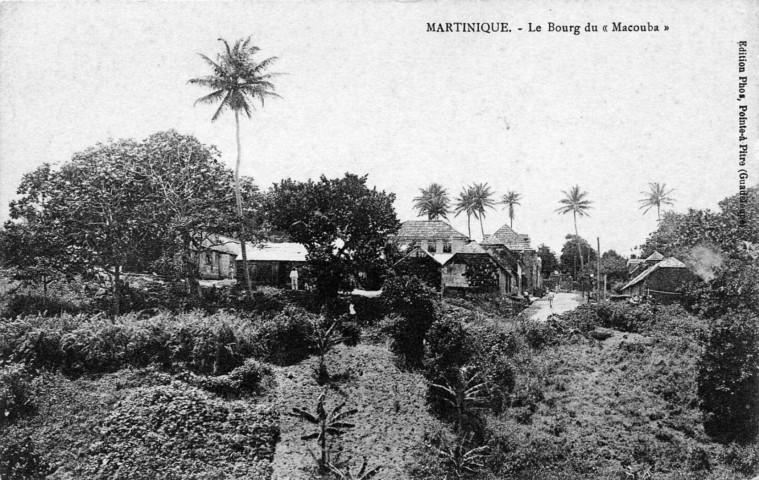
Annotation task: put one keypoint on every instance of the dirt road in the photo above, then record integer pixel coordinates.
(562, 302)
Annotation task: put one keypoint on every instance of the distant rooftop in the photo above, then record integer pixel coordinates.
(655, 257)
(428, 229)
(670, 262)
(508, 237)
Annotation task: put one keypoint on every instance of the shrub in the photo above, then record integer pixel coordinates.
(171, 431)
(19, 460)
(413, 310)
(248, 378)
(744, 459)
(16, 393)
(286, 338)
(448, 347)
(728, 378)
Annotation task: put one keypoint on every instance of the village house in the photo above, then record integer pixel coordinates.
(433, 236)
(473, 269)
(660, 280)
(637, 265)
(519, 243)
(216, 261)
(271, 263)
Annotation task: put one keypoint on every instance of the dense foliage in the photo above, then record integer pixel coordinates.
(343, 224)
(728, 377)
(169, 431)
(413, 310)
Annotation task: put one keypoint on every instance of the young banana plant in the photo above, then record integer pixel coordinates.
(465, 393)
(329, 423)
(460, 458)
(324, 339)
(346, 473)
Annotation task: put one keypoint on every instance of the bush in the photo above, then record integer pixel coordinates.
(19, 460)
(448, 348)
(744, 459)
(286, 338)
(248, 378)
(16, 393)
(172, 431)
(76, 345)
(413, 309)
(728, 378)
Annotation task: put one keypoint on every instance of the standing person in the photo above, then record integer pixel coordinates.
(550, 299)
(294, 278)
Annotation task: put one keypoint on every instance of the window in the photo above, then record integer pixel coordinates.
(446, 247)
(431, 248)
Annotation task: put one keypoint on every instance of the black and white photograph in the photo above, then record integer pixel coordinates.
(388, 240)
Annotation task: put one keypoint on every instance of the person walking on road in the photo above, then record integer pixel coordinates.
(550, 299)
(294, 278)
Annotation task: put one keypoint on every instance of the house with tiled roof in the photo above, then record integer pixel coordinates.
(475, 269)
(660, 280)
(519, 243)
(433, 236)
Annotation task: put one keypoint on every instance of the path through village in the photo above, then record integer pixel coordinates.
(562, 302)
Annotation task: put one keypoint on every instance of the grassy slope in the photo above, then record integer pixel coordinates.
(627, 403)
(392, 418)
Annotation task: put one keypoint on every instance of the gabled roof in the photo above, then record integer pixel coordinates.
(473, 248)
(670, 262)
(655, 257)
(428, 229)
(440, 258)
(508, 237)
(273, 252)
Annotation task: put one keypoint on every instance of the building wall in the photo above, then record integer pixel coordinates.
(438, 244)
(476, 272)
(669, 279)
(215, 265)
(421, 266)
(272, 273)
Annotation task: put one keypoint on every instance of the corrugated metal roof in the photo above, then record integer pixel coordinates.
(428, 229)
(272, 252)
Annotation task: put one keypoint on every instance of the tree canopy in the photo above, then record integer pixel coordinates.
(343, 224)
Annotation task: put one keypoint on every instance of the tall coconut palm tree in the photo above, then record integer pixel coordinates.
(237, 82)
(575, 201)
(656, 196)
(483, 199)
(510, 199)
(433, 202)
(466, 203)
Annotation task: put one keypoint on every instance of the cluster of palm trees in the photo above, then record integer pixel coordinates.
(473, 200)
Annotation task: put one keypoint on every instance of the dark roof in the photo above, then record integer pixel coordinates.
(428, 229)
(473, 248)
(508, 237)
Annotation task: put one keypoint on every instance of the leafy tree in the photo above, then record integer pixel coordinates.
(482, 198)
(575, 201)
(237, 82)
(193, 200)
(466, 203)
(614, 266)
(549, 262)
(343, 224)
(574, 252)
(656, 196)
(728, 377)
(433, 202)
(510, 199)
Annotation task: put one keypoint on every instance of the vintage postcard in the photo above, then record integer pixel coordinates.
(389, 239)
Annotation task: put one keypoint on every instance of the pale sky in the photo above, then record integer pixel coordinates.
(369, 90)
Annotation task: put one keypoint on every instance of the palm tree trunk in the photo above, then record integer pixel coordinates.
(238, 197)
(469, 225)
(577, 238)
(482, 229)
